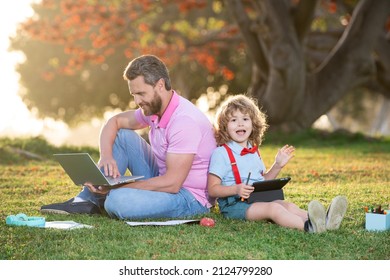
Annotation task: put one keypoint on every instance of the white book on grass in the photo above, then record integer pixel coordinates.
(65, 225)
(163, 223)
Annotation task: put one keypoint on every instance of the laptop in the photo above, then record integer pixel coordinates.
(268, 190)
(81, 168)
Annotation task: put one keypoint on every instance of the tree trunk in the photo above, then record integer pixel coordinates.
(292, 97)
(350, 63)
(382, 119)
(383, 64)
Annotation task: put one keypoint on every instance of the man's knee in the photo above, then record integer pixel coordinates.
(120, 204)
(124, 135)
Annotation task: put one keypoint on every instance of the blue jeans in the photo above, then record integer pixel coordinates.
(134, 153)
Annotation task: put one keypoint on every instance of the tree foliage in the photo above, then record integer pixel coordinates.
(79, 49)
(298, 57)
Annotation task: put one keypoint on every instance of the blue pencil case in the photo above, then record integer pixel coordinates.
(24, 220)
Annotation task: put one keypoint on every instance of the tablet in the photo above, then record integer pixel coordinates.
(269, 185)
(268, 190)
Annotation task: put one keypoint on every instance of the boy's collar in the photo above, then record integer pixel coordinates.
(237, 148)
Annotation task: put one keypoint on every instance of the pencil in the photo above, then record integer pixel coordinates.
(247, 181)
(249, 176)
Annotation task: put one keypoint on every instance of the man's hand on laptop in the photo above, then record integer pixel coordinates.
(97, 189)
(109, 167)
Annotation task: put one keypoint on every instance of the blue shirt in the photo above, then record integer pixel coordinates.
(220, 165)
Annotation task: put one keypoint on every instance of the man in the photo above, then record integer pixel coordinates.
(174, 164)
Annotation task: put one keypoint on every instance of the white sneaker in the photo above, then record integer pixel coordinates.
(336, 212)
(317, 215)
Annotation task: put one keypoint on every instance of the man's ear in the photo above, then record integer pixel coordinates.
(161, 84)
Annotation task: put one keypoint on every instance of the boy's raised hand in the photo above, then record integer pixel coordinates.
(284, 155)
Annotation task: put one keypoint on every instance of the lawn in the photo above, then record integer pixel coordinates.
(324, 166)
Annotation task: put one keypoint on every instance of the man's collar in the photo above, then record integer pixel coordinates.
(172, 105)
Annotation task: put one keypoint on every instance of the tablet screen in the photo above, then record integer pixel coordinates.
(268, 185)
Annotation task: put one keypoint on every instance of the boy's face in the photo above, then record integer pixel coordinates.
(240, 127)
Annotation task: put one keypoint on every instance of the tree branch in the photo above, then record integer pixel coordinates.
(303, 16)
(254, 43)
(350, 63)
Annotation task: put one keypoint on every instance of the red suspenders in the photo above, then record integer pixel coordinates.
(236, 173)
(233, 162)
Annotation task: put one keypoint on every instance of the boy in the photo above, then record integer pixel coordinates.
(240, 128)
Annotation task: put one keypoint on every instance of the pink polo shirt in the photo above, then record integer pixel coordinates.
(182, 129)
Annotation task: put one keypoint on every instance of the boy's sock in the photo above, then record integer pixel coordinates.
(308, 227)
(78, 199)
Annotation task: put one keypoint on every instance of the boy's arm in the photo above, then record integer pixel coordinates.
(281, 159)
(215, 189)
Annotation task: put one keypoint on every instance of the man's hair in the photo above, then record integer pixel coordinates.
(151, 68)
(245, 105)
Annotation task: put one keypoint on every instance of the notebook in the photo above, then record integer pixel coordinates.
(81, 168)
(268, 190)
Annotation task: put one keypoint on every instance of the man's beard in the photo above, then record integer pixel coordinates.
(153, 107)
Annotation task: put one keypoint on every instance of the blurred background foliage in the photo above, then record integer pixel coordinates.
(76, 52)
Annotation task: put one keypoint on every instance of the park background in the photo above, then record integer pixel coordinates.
(62, 61)
(322, 64)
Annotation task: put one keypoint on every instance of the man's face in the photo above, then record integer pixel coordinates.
(145, 96)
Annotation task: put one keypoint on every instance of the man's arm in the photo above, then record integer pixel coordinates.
(178, 167)
(107, 137)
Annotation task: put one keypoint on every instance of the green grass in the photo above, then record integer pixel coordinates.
(324, 166)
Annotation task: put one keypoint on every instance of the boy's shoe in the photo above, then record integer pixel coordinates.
(70, 207)
(336, 212)
(316, 217)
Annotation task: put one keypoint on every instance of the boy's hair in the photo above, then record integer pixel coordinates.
(151, 68)
(245, 105)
